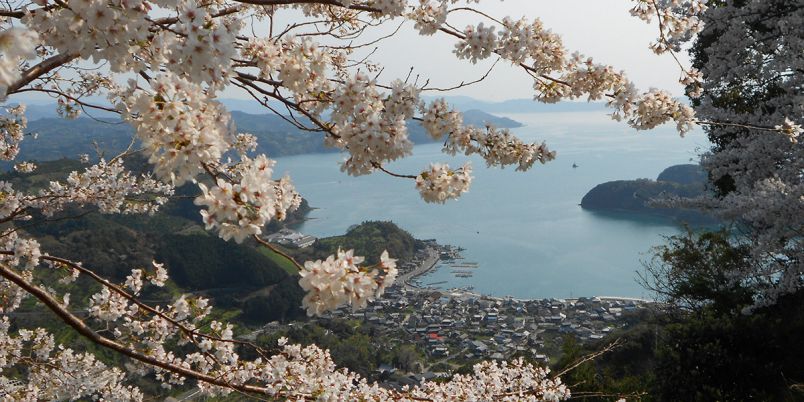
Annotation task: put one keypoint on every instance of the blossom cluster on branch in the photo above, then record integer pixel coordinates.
(340, 280)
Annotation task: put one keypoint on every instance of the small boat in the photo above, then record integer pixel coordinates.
(574, 165)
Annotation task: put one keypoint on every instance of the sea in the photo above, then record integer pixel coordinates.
(525, 231)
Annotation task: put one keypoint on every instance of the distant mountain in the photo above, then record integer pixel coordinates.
(39, 110)
(634, 196)
(480, 118)
(59, 138)
(464, 103)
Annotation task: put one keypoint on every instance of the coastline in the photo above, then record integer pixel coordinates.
(406, 281)
(427, 264)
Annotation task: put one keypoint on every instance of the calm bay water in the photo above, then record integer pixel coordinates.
(526, 231)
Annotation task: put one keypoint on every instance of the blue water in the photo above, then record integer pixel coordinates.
(526, 230)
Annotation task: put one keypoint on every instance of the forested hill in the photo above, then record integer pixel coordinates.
(238, 276)
(58, 138)
(369, 239)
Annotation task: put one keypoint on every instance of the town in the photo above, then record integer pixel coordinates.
(455, 327)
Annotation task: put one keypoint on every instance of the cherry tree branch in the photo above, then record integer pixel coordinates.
(189, 332)
(38, 70)
(592, 356)
(79, 326)
(279, 252)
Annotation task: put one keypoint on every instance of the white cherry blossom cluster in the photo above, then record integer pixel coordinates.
(440, 183)
(265, 54)
(108, 186)
(596, 81)
(678, 20)
(692, 79)
(586, 78)
(542, 53)
(136, 279)
(245, 143)
(657, 107)
(199, 47)
(11, 201)
(372, 128)
(497, 147)
(183, 129)
(12, 129)
(429, 16)
(303, 71)
(26, 253)
(111, 31)
(517, 380)
(12, 295)
(25, 256)
(440, 120)
(16, 45)
(390, 7)
(56, 373)
(521, 41)
(340, 280)
(479, 43)
(240, 208)
(24, 167)
(790, 129)
(501, 148)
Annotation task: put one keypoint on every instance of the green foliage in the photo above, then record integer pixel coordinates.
(407, 357)
(279, 260)
(368, 239)
(282, 303)
(625, 372)
(219, 265)
(702, 347)
(350, 344)
(734, 358)
(693, 271)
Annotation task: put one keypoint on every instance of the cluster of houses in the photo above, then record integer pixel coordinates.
(459, 326)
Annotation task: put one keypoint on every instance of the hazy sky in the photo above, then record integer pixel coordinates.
(602, 29)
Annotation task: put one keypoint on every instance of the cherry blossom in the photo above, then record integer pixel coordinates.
(340, 280)
(16, 44)
(440, 183)
(183, 129)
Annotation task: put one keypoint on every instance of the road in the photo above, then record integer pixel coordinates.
(426, 265)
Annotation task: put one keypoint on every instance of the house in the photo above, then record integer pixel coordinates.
(478, 347)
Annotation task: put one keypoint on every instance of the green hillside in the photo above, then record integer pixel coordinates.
(242, 277)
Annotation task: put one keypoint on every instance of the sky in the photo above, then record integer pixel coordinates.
(602, 29)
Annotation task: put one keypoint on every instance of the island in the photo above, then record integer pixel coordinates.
(634, 196)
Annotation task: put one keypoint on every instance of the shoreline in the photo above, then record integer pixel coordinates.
(423, 268)
(434, 256)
